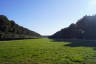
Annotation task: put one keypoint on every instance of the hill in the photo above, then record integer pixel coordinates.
(83, 29)
(10, 30)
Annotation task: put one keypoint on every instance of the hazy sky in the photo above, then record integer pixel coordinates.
(46, 16)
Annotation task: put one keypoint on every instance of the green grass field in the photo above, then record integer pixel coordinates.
(46, 51)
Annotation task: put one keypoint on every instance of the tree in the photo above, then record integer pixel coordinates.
(10, 30)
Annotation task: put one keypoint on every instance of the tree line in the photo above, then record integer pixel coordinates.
(85, 28)
(10, 30)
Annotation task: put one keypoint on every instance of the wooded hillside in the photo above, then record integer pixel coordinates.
(85, 28)
(10, 30)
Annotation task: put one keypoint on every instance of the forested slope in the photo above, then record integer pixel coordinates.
(10, 30)
(85, 28)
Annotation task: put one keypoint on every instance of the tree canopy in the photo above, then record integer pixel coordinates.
(10, 30)
(83, 29)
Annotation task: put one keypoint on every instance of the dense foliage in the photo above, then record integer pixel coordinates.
(83, 29)
(10, 30)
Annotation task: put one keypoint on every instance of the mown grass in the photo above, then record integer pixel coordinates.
(45, 51)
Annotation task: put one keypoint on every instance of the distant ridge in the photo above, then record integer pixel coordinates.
(10, 30)
(85, 28)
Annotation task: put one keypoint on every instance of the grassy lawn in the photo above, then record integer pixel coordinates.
(46, 51)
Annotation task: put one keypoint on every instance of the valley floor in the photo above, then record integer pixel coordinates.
(47, 51)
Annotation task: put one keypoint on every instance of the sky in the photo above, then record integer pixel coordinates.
(46, 16)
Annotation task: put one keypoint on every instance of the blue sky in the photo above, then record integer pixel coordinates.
(46, 16)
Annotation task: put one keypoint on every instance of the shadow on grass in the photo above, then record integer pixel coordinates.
(77, 43)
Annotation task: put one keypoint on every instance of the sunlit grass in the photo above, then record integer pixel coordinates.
(44, 51)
